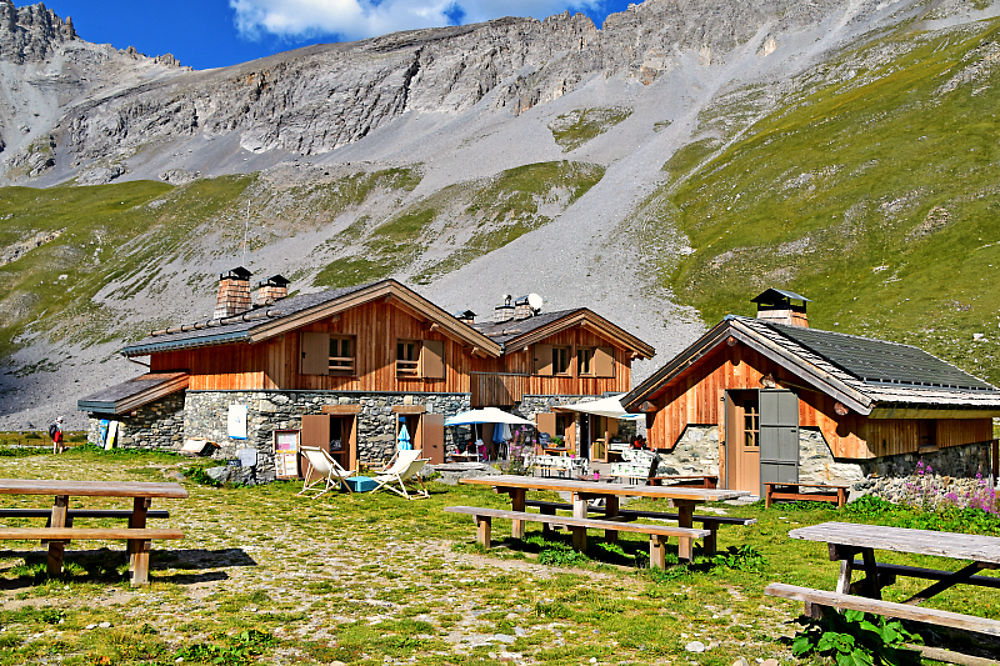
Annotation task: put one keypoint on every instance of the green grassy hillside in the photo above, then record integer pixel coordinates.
(878, 197)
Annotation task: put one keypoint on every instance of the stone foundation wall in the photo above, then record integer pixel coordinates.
(696, 452)
(206, 415)
(158, 425)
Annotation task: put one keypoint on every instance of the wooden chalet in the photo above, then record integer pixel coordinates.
(769, 399)
(347, 369)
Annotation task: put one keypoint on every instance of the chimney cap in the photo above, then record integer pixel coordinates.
(275, 280)
(238, 273)
(465, 314)
(774, 296)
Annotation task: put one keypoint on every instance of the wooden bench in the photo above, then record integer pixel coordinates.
(821, 598)
(711, 523)
(695, 481)
(138, 543)
(792, 491)
(658, 534)
(79, 513)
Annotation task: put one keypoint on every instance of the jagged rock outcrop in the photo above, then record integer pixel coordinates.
(32, 32)
(312, 101)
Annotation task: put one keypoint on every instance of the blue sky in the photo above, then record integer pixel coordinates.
(214, 33)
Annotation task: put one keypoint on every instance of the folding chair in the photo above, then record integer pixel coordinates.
(403, 476)
(330, 471)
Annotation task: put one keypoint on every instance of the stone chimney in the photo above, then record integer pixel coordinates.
(234, 293)
(782, 307)
(467, 317)
(505, 312)
(270, 290)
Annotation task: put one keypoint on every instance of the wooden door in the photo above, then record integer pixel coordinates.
(315, 432)
(432, 437)
(742, 441)
(779, 436)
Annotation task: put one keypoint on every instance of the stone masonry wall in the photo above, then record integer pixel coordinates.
(206, 415)
(158, 425)
(696, 452)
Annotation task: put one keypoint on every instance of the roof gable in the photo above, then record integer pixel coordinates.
(297, 311)
(862, 373)
(518, 334)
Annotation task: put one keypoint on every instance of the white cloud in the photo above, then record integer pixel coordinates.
(357, 19)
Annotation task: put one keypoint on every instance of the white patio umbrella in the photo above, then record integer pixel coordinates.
(610, 407)
(486, 415)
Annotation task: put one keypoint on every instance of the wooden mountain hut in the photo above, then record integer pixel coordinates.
(770, 399)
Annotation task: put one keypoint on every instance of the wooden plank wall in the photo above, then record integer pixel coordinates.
(695, 398)
(273, 364)
(521, 362)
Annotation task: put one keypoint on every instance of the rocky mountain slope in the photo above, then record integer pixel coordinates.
(659, 169)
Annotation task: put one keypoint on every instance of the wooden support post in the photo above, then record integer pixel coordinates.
(710, 544)
(138, 519)
(57, 548)
(484, 525)
(841, 497)
(657, 551)
(685, 518)
(579, 506)
(611, 511)
(140, 552)
(580, 538)
(872, 587)
(517, 504)
(768, 489)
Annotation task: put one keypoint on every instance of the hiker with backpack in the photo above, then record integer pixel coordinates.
(56, 433)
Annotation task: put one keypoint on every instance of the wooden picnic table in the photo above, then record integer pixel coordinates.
(848, 540)
(57, 532)
(684, 499)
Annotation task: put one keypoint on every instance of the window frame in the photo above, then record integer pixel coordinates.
(408, 368)
(558, 350)
(348, 364)
(590, 364)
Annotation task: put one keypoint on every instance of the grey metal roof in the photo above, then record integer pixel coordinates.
(108, 400)
(515, 328)
(865, 372)
(235, 329)
(882, 362)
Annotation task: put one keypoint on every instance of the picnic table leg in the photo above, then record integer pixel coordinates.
(579, 511)
(657, 551)
(846, 556)
(484, 530)
(137, 520)
(711, 542)
(872, 587)
(841, 497)
(57, 548)
(611, 511)
(140, 553)
(685, 518)
(517, 504)
(546, 527)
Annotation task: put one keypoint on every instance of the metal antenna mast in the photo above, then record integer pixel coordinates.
(246, 234)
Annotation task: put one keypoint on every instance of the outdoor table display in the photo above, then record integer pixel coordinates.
(846, 540)
(684, 498)
(140, 492)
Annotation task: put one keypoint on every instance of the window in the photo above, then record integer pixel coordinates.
(560, 360)
(407, 358)
(751, 426)
(585, 361)
(341, 355)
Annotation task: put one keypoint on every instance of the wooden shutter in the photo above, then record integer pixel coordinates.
(546, 422)
(432, 437)
(779, 436)
(432, 360)
(315, 354)
(543, 360)
(604, 362)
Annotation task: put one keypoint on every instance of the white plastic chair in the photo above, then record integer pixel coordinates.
(330, 471)
(404, 472)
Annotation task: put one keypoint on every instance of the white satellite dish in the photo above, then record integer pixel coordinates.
(535, 301)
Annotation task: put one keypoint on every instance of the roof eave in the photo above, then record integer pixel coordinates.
(611, 330)
(189, 343)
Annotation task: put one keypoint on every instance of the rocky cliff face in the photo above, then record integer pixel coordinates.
(31, 33)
